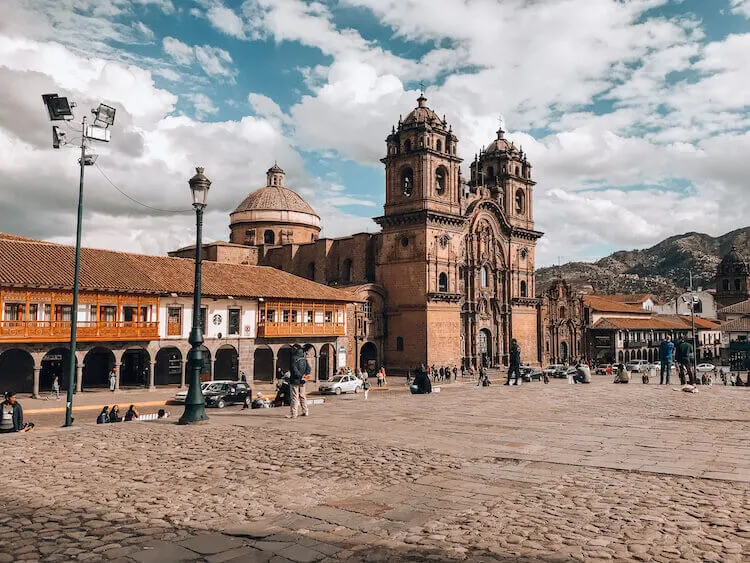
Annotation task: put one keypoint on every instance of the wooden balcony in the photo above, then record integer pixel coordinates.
(87, 331)
(292, 330)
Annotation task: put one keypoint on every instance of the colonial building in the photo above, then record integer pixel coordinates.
(621, 332)
(450, 277)
(735, 334)
(732, 279)
(134, 317)
(562, 324)
(704, 304)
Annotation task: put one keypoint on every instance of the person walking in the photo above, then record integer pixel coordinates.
(365, 387)
(515, 362)
(300, 368)
(56, 387)
(686, 360)
(112, 380)
(666, 352)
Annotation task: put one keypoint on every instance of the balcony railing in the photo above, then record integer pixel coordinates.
(59, 331)
(268, 329)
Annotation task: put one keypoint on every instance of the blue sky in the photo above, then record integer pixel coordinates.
(634, 113)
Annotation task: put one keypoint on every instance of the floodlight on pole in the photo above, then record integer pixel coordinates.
(59, 108)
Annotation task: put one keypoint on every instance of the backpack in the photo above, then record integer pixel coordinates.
(300, 368)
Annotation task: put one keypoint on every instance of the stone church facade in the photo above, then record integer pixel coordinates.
(450, 277)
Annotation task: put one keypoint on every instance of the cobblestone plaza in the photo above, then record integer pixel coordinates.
(533, 473)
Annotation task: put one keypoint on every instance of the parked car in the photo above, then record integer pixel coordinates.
(552, 369)
(604, 369)
(341, 384)
(529, 373)
(705, 367)
(220, 394)
(637, 366)
(181, 396)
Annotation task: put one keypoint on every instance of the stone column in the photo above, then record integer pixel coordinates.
(117, 376)
(79, 377)
(151, 369)
(182, 374)
(37, 370)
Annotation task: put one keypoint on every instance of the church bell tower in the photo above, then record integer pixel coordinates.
(420, 249)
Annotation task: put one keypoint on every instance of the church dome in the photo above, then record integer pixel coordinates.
(735, 263)
(422, 114)
(274, 215)
(275, 198)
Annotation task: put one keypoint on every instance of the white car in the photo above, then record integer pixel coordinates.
(637, 366)
(552, 369)
(341, 384)
(705, 367)
(181, 396)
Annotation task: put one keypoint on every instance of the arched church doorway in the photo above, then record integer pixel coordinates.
(484, 346)
(564, 352)
(368, 357)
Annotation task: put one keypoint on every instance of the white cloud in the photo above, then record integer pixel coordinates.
(213, 60)
(204, 106)
(181, 52)
(741, 7)
(226, 20)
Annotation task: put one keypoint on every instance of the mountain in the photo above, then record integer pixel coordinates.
(664, 269)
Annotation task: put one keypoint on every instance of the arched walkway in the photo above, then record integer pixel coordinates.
(17, 371)
(368, 357)
(97, 364)
(168, 367)
(55, 363)
(134, 371)
(284, 359)
(227, 364)
(206, 371)
(312, 358)
(263, 364)
(326, 362)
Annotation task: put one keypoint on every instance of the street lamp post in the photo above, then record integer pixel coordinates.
(195, 409)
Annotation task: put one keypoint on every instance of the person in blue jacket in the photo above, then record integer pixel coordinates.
(666, 351)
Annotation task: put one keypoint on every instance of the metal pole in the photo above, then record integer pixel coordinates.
(195, 410)
(76, 277)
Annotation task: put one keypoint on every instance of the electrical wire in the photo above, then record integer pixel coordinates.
(135, 200)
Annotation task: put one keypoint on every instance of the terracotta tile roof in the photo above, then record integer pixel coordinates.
(743, 308)
(737, 325)
(9, 236)
(630, 298)
(654, 322)
(37, 264)
(607, 305)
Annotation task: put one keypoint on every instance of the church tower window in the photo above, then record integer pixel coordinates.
(407, 182)
(346, 271)
(523, 288)
(520, 202)
(484, 276)
(439, 145)
(440, 180)
(737, 285)
(407, 145)
(443, 282)
(269, 237)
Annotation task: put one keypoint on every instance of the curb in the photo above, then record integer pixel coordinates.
(93, 407)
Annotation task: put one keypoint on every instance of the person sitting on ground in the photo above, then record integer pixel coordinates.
(103, 417)
(623, 375)
(260, 402)
(131, 413)
(11, 415)
(114, 414)
(583, 373)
